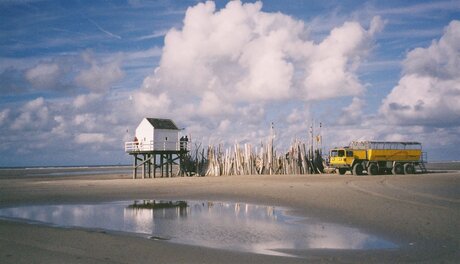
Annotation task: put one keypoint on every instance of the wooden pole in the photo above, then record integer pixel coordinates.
(135, 166)
(143, 166)
(149, 166)
(170, 165)
(154, 164)
(161, 165)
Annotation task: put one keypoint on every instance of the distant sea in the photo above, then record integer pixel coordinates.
(443, 165)
(45, 171)
(66, 171)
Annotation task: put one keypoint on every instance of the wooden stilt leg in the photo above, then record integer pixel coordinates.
(135, 167)
(143, 167)
(154, 165)
(170, 165)
(161, 166)
(148, 166)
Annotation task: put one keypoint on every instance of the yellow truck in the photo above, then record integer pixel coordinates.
(377, 157)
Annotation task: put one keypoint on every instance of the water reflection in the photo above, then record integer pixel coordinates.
(234, 226)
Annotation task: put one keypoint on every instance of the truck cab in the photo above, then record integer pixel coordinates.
(341, 158)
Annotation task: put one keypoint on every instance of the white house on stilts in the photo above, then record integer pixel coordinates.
(156, 145)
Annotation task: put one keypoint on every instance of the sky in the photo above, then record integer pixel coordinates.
(77, 77)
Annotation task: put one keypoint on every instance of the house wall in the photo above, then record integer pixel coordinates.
(163, 139)
(166, 139)
(144, 132)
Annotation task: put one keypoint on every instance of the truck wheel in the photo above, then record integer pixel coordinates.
(409, 168)
(358, 169)
(398, 169)
(342, 171)
(372, 169)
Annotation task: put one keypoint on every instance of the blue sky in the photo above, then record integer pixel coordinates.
(76, 77)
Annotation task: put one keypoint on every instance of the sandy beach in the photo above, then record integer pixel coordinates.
(421, 213)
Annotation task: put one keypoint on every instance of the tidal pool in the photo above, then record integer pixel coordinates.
(224, 225)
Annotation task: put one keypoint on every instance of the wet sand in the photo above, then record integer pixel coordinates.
(419, 212)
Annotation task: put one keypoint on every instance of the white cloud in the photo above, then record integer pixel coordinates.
(245, 55)
(295, 116)
(224, 125)
(353, 113)
(86, 122)
(33, 115)
(44, 75)
(331, 72)
(240, 66)
(429, 91)
(146, 104)
(135, 55)
(4, 116)
(99, 77)
(88, 138)
(110, 34)
(84, 100)
(156, 34)
(61, 128)
(212, 105)
(421, 8)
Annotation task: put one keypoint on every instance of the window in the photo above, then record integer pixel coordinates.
(349, 153)
(334, 153)
(341, 153)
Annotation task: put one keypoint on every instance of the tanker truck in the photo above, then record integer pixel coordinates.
(378, 157)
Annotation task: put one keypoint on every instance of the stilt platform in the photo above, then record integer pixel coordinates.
(152, 163)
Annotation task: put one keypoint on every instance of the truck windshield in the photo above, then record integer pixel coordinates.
(334, 153)
(341, 153)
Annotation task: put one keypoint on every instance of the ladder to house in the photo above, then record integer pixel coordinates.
(423, 161)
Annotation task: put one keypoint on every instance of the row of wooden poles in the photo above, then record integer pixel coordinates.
(246, 159)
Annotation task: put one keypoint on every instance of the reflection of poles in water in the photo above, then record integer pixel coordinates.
(210, 205)
(138, 219)
(153, 204)
(270, 210)
(237, 208)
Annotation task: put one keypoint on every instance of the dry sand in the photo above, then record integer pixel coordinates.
(420, 212)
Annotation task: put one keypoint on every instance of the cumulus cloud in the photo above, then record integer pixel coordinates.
(86, 100)
(88, 138)
(66, 130)
(33, 115)
(99, 77)
(353, 113)
(147, 103)
(429, 90)
(240, 65)
(246, 55)
(44, 75)
(331, 73)
(4, 115)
